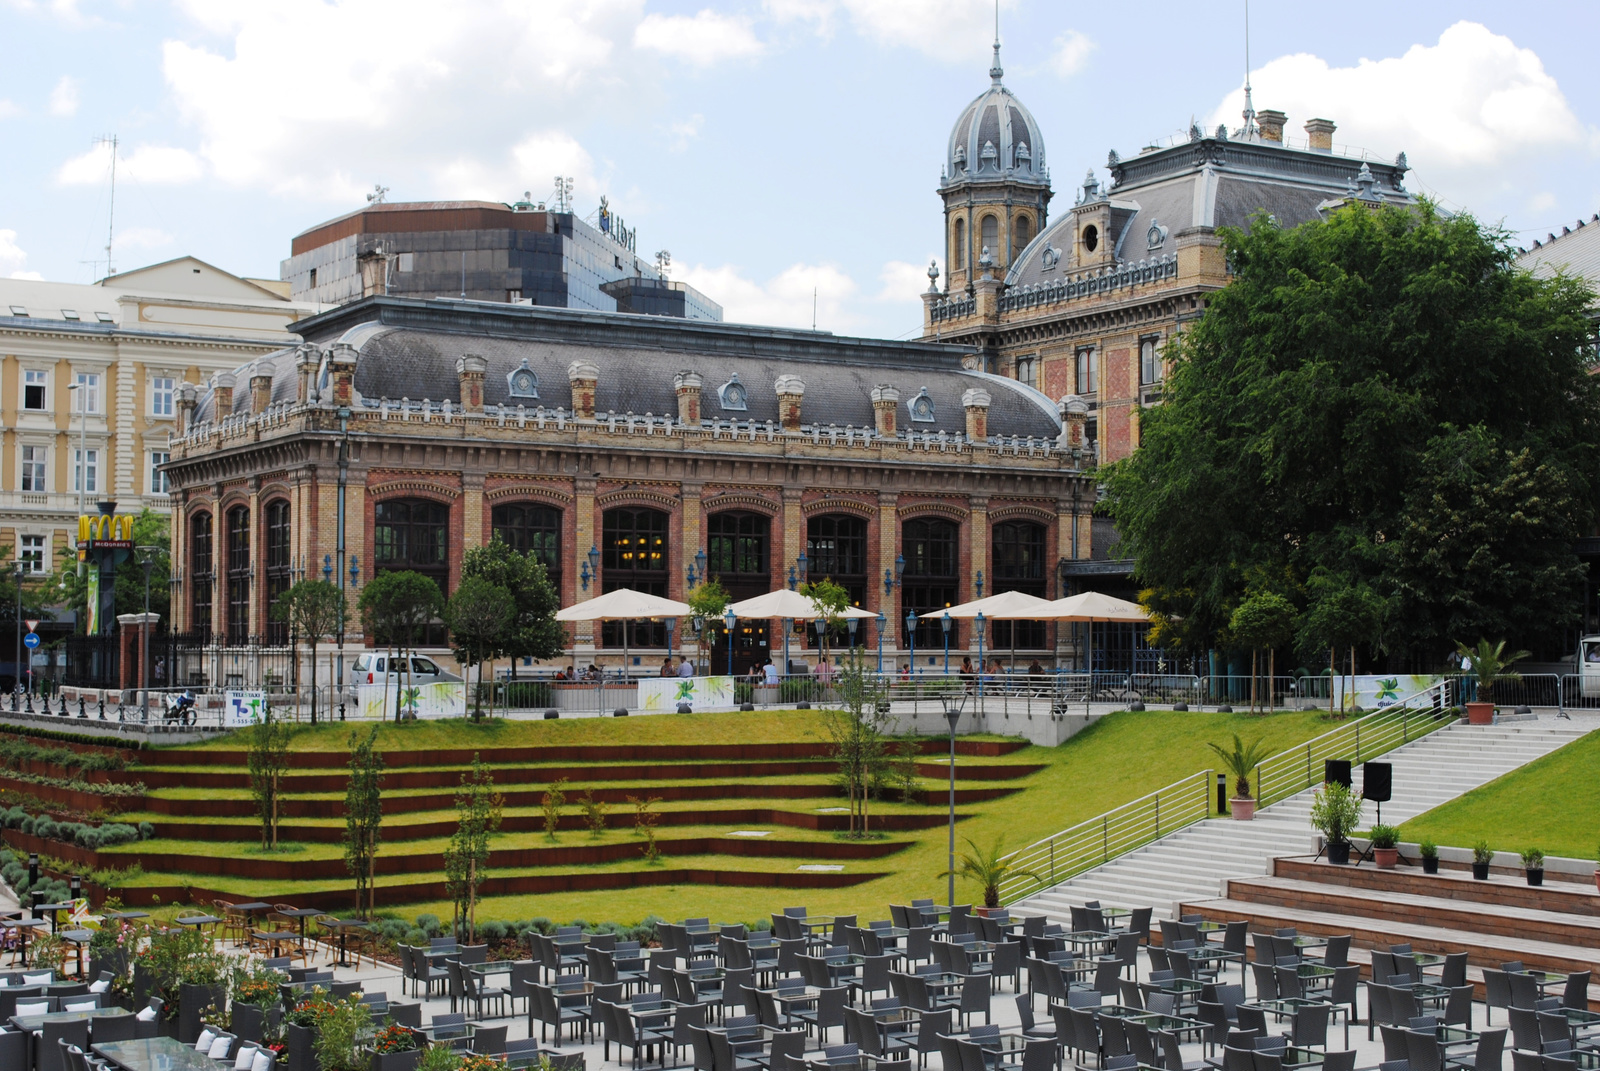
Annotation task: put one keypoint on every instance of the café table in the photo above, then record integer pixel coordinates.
(274, 938)
(22, 926)
(343, 926)
(1207, 929)
(125, 916)
(198, 921)
(1086, 940)
(1289, 1007)
(55, 912)
(1176, 1024)
(1586, 1059)
(1544, 979)
(31, 1023)
(80, 940)
(1304, 941)
(154, 1054)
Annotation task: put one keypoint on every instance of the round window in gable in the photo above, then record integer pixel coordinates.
(523, 382)
(1091, 237)
(922, 407)
(733, 394)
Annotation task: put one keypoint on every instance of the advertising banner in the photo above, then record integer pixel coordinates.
(445, 699)
(663, 694)
(1372, 692)
(243, 708)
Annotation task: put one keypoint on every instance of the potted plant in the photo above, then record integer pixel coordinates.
(1241, 762)
(1487, 665)
(441, 1057)
(300, 1027)
(1385, 846)
(1335, 811)
(394, 1048)
(1482, 856)
(1430, 856)
(1533, 865)
(989, 869)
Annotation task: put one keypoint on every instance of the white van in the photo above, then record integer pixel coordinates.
(1589, 666)
(375, 668)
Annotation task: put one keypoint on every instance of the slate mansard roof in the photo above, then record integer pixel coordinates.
(407, 349)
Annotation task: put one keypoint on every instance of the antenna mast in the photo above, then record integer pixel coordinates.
(1249, 106)
(111, 214)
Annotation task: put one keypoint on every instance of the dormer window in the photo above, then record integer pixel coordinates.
(922, 407)
(733, 395)
(69, 314)
(1024, 157)
(989, 154)
(19, 310)
(523, 382)
(961, 158)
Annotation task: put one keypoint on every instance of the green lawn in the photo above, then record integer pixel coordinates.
(1542, 805)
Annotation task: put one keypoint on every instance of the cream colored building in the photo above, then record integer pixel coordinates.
(129, 342)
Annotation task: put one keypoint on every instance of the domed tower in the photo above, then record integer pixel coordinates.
(995, 184)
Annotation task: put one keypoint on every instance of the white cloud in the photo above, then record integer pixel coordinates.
(339, 96)
(143, 238)
(785, 300)
(536, 159)
(64, 97)
(1070, 53)
(13, 257)
(703, 39)
(155, 164)
(949, 30)
(1542, 201)
(682, 131)
(902, 281)
(1460, 109)
(65, 11)
(8, 110)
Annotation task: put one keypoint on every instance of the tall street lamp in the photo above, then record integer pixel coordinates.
(16, 688)
(911, 640)
(882, 622)
(952, 714)
(945, 624)
(146, 557)
(730, 618)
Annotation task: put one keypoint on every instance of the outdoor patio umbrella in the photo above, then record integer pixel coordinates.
(1092, 606)
(624, 604)
(790, 606)
(1006, 606)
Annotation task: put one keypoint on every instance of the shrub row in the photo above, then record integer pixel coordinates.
(18, 750)
(84, 836)
(15, 874)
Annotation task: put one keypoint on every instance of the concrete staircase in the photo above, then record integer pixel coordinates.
(1195, 863)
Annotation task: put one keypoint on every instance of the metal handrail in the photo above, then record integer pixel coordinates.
(1102, 838)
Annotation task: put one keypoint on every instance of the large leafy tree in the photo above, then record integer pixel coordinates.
(1380, 397)
(395, 608)
(482, 617)
(533, 631)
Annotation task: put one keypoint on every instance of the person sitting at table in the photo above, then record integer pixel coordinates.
(667, 668)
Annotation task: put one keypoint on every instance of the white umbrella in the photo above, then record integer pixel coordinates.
(1092, 606)
(624, 604)
(1006, 606)
(790, 606)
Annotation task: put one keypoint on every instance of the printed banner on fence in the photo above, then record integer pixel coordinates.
(443, 699)
(1372, 692)
(701, 693)
(243, 708)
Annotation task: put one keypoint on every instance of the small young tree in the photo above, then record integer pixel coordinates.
(1264, 620)
(707, 604)
(1344, 613)
(645, 817)
(555, 797)
(395, 607)
(267, 756)
(859, 746)
(481, 617)
(478, 810)
(363, 817)
(594, 813)
(829, 601)
(315, 610)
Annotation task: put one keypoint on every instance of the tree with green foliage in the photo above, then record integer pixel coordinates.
(315, 610)
(481, 616)
(363, 817)
(828, 601)
(478, 811)
(1382, 396)
(707, 603)
(150, 529)
(267, 758)
(859, 745)
(555, 798)
(1264, 621)
(395, 608)
(534, 631)
(1343, 613)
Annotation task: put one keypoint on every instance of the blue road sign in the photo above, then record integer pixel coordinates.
(31, 640)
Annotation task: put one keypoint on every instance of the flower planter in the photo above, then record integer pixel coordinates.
(300, 1049)
(1430, 866)
(247, 1021)
(988, 912)
(1480, 713)
(1480, 871)
(1339, 853)
(193, 1000)
(1535, 875)
(396, 1061)
(1243, 808)
(1386, 858)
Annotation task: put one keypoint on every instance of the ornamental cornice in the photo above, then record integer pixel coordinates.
(840, 505)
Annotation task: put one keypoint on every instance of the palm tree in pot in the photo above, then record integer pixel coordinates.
(989, 869)
(1336, 811)
(1240, 763)
(1487, 664)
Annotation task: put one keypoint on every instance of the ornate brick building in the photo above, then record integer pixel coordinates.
(625, 451)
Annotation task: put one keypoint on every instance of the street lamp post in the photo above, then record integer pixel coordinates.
(882, 621)
(730, 618)
(980, 656)
(911, 641)
(146, 557)
(945, 624)
(672, 624)
(851, 623)
(788, 626)
(952, 715)
(16, 689)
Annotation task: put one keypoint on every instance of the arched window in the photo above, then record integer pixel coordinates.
(202, 574)
(1023, 234)
(990, 231)
(931, 580)
(736, 550)
(277, 567)
(836, 549)
(1017, 564)
(958, 255)
(239, 575)
(633, 554)
(413, 534)
(531, 529)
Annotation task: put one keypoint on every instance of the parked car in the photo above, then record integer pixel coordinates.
(375, 668)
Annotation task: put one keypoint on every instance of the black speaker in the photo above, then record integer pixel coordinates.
(1336, 770)
(1377, 781)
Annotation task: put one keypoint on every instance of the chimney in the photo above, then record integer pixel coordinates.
(885, 404)
(342, 370)
(469, 372)
(186, 400)
(790, 389)
(975, 401)
(1074, 424)
(307, 358)
(1271, 124)
(374, 268)
(260, 389)
(1320, 132)
(686, 385)
(583, 375)
(222, 394)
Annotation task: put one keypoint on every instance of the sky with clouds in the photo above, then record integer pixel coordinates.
(785, 151)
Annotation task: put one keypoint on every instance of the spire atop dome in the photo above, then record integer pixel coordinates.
(995, 70)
